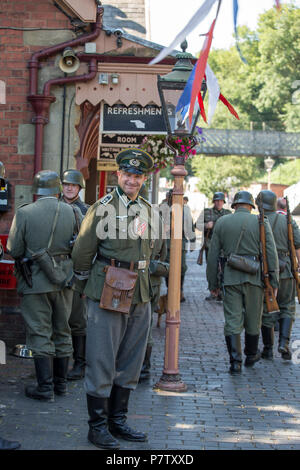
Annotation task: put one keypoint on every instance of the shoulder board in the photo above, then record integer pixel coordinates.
(106, 199)
(146, 201)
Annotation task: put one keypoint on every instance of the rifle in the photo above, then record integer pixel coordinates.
(292, 251)
(271, 302)
(23, 267)
(200, 256)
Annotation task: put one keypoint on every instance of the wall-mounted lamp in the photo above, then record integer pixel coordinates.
(115, 78)
(103, 78)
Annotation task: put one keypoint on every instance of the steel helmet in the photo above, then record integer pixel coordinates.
(46, 183)
(267, 198)
(73, 177)
(243, 197)
(219, 197)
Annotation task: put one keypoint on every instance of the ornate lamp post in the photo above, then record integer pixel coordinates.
(170, 88)
(269, 163)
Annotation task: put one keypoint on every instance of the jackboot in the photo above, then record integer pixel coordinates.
(145, 371)
(44, 389)
(60, 370)
(77, 372)
(268, 341)
(234, 348)
(182, 297)
(251, 349)
(118, 408)
(9, 445)
(285, 329)
(99, 434)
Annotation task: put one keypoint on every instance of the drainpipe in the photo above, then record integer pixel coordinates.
(41, 103)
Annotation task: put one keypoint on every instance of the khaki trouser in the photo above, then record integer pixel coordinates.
(243, 308)
(46, 318)
(78, 317)
(286, 302)
(115, 347)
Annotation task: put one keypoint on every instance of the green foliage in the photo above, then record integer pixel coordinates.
(286, 173)
(223, 173)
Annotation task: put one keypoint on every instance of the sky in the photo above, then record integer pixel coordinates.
(168, 18)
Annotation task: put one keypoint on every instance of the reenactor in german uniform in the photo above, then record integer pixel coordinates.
(72, 183)
(4, 443)
(286, 292)
(209, 218)
(239, 234)
(40, 241)
(111, 258)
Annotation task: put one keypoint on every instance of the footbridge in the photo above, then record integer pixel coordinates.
(219, 142)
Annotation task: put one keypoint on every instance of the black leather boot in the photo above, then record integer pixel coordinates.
(182, 297)
(251, 349)
(234, 347)
(118, 408)
(285, 329)
(44, 389)
(77, 372)
(99, 434)
(268, 340)
(60, 370)
(145, 371)
(9, 445)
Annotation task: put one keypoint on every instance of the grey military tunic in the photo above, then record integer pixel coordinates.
(286, 291)
(243, 299)
(115, 228)
(45, 307)
(78, 317)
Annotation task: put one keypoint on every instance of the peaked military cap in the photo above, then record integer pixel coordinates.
(134, 160)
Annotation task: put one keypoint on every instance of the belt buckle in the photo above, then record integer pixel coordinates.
(142, 264)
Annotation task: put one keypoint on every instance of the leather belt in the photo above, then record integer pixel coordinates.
(143, 264)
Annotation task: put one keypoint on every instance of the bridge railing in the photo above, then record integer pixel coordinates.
(220, 142)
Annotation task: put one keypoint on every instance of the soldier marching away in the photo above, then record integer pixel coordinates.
(211, 215)
(286, 291)
(46, 297)
(239, 234)
(115, 237)
(72, 183)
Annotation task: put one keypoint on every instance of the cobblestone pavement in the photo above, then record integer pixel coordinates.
(258, 410)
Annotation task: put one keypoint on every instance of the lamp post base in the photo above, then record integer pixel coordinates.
(171, 383)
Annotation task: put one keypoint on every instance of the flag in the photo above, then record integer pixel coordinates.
(235, 13)
(200, 69)
(213, 89)
(200, 14)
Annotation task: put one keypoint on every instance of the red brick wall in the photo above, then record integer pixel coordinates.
(14, 56)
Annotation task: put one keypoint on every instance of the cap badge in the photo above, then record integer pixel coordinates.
(134, 162)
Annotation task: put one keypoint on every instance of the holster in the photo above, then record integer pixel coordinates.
(118, 290)
(23, 267)
(243, 263)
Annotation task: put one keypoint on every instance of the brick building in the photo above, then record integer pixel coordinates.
(51, 117)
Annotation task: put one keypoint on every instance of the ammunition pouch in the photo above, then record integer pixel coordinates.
(245, 263)
(51, 267)
(159, 268)
(118, 290)
(282, 262)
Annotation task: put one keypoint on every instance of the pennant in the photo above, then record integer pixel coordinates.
(235, 13)
(213, 89)
(229, 106)
(199, 16)
(200, 69)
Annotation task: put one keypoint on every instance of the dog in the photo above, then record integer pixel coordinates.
(161, 308)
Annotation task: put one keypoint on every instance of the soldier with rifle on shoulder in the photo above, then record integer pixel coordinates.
(238, 237)
(287, 239)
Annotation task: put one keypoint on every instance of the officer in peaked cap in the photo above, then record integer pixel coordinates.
(238, 234)
(118, 230)
(72, 183)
